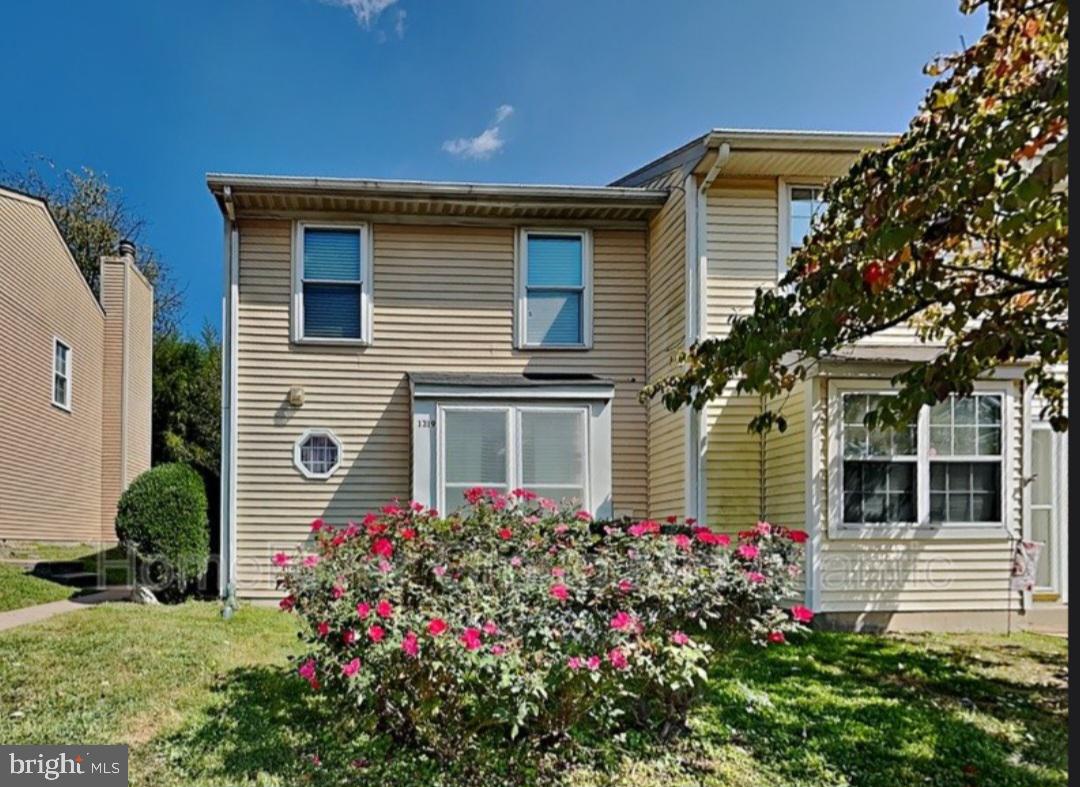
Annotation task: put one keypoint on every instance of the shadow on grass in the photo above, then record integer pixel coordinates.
(884, 712)
(838, 709)
(88, 572)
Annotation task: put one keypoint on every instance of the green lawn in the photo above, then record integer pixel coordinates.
(19, 588)
(203, 701)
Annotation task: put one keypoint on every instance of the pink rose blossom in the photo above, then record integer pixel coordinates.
(755, 577)
(561, 528)
(416, 506)
(683, 542)
(385, 567)
(281, 559)
(557, 571)
(407, 534)
(559, 592)
(317, 525)
(617, 659)
(348, 637)
(490, 628)
(470, 638)
(438, 570)
(337, 592)
(497, 650)
(287, 603)
(363, 609)
(310, 561)
(801, 614)
(409, 645)
(384, 609)
(625, 585)
(583, 516)
(763, 528)
(515, 561)
(506, 534)
(679, 638)
(748, 551)
(376, 633)
(382, 548)
(777, 638)
(548, 505)
(322, 628)
(351, 668)
(593, 663)
(622, 621)
(436, 627)
(574, 663)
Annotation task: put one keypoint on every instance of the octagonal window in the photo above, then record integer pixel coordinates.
(317, 453)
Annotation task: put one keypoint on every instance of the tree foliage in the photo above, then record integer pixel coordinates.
(93, 218)
(959, 227)
(187, 402)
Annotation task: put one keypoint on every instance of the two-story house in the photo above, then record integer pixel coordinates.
(76, 372)
(412, 339)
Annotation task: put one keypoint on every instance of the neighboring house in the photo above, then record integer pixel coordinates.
(410, 339)
(77, 381)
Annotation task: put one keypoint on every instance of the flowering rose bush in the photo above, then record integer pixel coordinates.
(515, 617)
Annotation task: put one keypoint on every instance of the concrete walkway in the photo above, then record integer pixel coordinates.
(20, 617)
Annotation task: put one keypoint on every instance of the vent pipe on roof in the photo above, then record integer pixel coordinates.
(126, 248)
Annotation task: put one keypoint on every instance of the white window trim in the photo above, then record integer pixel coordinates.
(783, 235)
(514, 470)
(923, 529)
(521, 269)
(57, 341)
(1058, 505)
(317, 432)
(367, 283)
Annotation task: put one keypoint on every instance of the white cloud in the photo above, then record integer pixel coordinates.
(486, 143)
(368, 11)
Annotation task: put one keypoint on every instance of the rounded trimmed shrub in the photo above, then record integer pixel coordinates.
(517, 619)
(162, 517)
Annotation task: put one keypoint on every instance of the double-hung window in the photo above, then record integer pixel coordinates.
(554, 289)
(942, 473)
(61, 374)
(332, 284)
(542, 448)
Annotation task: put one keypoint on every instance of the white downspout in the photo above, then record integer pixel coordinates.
(229, 329)
(697, 326)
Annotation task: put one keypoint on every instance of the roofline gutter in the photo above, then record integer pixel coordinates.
(223, 186)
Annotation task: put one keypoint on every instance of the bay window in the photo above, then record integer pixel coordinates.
(542, 448)
(942, 473)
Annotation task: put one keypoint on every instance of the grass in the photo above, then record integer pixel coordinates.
(20, 587)
(202, 701)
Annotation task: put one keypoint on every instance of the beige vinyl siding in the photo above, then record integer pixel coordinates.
(917, 575)
(785, 462)
(139, 378)
(113, 466)
(666, 319)
(443, 301)
(741, 242)
(740, 236)
(49, 458)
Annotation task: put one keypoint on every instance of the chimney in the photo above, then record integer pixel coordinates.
(127, 298)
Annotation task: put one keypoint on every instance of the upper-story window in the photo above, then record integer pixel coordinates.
(332, 284)
(61, 374)
(805, 203)
(555, 289)
(802, 204)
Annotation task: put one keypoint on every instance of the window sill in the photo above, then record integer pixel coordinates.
(951, 532)
(65, 408)
(333, 342)
(555, 347)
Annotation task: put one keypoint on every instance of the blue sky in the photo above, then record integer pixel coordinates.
(156, 94)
